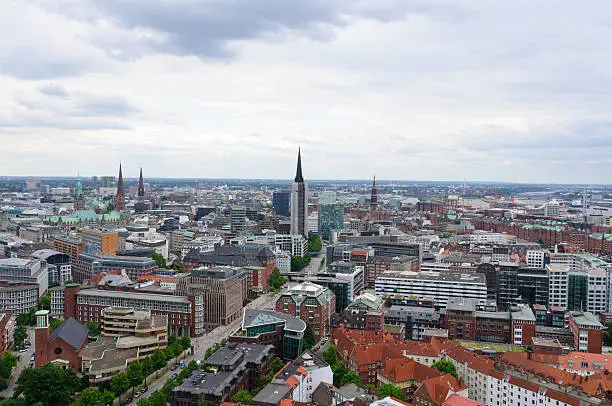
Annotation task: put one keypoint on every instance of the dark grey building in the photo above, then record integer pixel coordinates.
(414, 319)
(299, 201)
(280, 202)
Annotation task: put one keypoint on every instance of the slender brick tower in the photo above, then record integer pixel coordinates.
(141, 191)
(120, 198)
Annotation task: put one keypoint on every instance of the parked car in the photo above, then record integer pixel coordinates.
(182, 366)
(174, 375)
(22, 350)
(173, 368)
(136, 395)
(144, 389)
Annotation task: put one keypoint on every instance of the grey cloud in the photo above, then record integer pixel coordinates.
(96, 106)
(53, 89)
(207, 28)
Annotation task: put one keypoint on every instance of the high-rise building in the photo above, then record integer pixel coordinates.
(238, 220)
(373, 199)
(281, 201)
(299, 201)
(120, 197)
(331, 217)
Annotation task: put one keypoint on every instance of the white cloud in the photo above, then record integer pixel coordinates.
(509, 91)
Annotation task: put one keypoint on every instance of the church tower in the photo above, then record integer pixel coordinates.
(120, 198)
(141, 190)
(373, 200)
(299, 201)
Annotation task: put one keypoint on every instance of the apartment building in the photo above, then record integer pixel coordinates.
(439, 286)
(295, 244)
(312, 303)
(587, 331)
(18, 297)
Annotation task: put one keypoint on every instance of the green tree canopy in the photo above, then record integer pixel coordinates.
(55, 323)
(185, 342)
(6, 367)
(446, 367)
(606, 337)
(299, 263)
(120, 383)
(134, 374)
(94, 328)
(19, 335)
(91, 397)
(309, 338)
(352, 377)
(45, 302)
(276, 365)
(314, 243)
(276, 280)
(243, 397)
(159, 259)
(390, 390)
(48, 384)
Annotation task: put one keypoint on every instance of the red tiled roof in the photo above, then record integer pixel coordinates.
(458, 400)
(438, 388)
(590, 385)
(406, 369)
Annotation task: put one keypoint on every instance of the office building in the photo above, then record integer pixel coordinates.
(69, 246)
(587, 331)
(440, 286)
(185, 313)
(331, 217)
(18, 297)
(312, 303)
(284, 332)
(100, 240)
(281, 201)
(90, 264)
(295, 244)
(60, 270)
(414, 320)
(223, 290)
(299, 201)
(521, 285)
(26, 271)
(238, 220)
(365, 313)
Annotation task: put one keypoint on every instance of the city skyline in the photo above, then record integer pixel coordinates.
(448, 90)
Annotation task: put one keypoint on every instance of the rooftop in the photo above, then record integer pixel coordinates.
(450, 276)
(586, 319)
(256, 317)
(133, 296)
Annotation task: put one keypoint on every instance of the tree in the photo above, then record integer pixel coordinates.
(6, 367)
(540, 241)
(243, 397)
(55, 323)
(185, 342)
(120, 384)
(276, 365)
(299, 263)
(276, 280)
(314, 243)
(147, 366)
(12, 360)
(134, 374)
(48, 384)
(91, 397)
(109, 397)
(309, 338)
(94, 328)
(159, 259)
(159, 359)
(157, 399)
(606, 337)
(14, 402)
(45, 302)
(330, 355)
(446, 367)
(352, 377)
(143, 402)
(19, 336)
(390, 390)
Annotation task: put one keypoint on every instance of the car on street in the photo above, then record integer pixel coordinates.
(144, 389)
(173, 368)
(22, 350)
(174, 375)
(182, 366)
(136, 395)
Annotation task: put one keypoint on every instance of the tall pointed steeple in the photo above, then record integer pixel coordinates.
(298, 173)
(374, 200)
(299, 201)
(141, 191)
(120, 198)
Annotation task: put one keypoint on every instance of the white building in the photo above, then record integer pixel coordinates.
(309, 371)
(202, 244)
(148, 240)
(535, 259)
(295, 244)
(551, 209)
(430, 284)
(283, 261)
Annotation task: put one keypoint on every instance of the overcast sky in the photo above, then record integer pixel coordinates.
(517, 90)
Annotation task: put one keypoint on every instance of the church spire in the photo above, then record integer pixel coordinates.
(141, 191)
(298, 173)
(120, 198)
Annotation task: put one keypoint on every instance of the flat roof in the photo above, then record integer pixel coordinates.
(452, 276)
(133, 295)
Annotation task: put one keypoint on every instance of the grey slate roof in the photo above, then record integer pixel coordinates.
(252, 317)
(71, 331)
(233, 255)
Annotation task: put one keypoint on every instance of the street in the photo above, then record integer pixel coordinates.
(22, 363)
(201, 344)
(313, 267)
